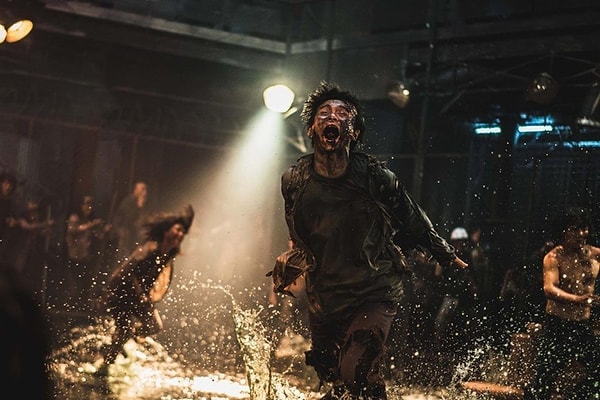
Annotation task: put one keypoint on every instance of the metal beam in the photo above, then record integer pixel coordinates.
(493, 39)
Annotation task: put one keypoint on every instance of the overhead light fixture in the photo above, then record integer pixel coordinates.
(16, 31)
(590, 111)
(542, 89)
(398, 93)
(535, 128)
(488, 130)
(278, 98)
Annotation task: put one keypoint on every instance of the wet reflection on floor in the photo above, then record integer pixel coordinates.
(148, 372)
(198, 357)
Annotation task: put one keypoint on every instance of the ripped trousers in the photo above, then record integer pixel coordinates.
(350, 348)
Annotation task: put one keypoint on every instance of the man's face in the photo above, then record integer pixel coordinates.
(141, 190)
(333, 126)
(6, 187)
(87, 205)
(174, 236)
(576, 236)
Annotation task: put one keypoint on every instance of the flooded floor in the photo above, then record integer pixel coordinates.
(212, 353)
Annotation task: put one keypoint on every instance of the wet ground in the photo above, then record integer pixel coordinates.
(211, 353)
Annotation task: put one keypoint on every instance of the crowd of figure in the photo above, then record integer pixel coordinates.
(350, 223)
(448, 311)
(368, 264)
(119, 270)
(24, 233)
(92, 245)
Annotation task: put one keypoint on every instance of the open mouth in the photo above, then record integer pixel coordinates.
(331, 132)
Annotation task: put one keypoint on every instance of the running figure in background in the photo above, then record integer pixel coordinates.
(143, 279)
(570, 273)
(85, 232)
(26, 246)
(8, 186)
(128, 220)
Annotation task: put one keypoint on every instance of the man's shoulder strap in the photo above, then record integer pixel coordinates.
(383, 182)
(295, 176)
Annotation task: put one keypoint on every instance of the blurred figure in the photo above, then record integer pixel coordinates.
(24, 335)
(426, 297)
(27, 244)
(84, 236)
(484, 276)
(8, 185)
(460, 298)
(128, 219)
(570, 271)
(532, 283)
(509, 312)
(142, 280)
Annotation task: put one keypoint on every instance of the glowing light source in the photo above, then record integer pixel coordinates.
(487, 130)
(399, 94)
(535, 128)
(16, 31)
(278, 98)
(543, 89)
(590, 113)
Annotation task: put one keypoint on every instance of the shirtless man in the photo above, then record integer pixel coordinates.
(570, 273)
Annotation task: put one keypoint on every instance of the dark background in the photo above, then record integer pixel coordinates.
(103, 93)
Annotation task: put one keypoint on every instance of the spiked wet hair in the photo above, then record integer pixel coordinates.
(329, 91)
(573, 218)
(156, 225)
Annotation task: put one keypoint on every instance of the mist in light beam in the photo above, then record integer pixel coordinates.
(239, 226)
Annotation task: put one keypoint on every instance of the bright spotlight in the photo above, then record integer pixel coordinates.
(542, 90)
(16, 31)
(278, 98)
(398, 93)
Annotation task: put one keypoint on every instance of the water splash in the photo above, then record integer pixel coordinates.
(144, 371)
(234, 357)
(257, 351)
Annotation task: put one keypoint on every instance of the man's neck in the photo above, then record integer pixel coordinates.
(573, 250)
(331, 164)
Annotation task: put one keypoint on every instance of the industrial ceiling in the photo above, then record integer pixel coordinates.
(475, 59)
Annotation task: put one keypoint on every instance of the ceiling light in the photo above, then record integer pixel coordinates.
(18, 30)
(399, 94)
(590, 112)
(278, 98)
(542, 89)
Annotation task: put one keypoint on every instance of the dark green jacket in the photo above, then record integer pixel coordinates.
(400, 218)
